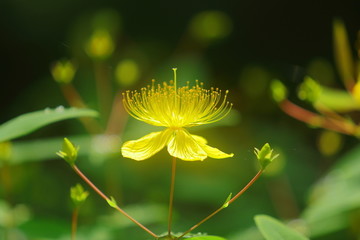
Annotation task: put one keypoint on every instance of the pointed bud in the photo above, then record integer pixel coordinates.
(112, 202)
(265, 155)
(226, 203)
(69, 152)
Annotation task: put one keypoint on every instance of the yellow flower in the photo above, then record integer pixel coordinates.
(176, 109)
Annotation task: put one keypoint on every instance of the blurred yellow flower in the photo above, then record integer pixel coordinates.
(176, 109)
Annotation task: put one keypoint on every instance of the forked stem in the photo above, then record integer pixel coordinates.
(171, 198)
(251, 182)
(107, 199)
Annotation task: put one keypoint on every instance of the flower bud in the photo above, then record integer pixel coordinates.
(63, 71)
(78, 195)
(265, 155)
(69, 152)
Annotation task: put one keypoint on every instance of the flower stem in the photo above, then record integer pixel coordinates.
(107, 199)
(74, 221)
(251, 182)
(171, 198)
(74, 100)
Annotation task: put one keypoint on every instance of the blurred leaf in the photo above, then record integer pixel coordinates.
(273, 229)
(206, 238)
(13, 216)
(45, 228)
(251, 233)
(343, 54)
(335, 196)
(337, 100)
(44, 149)
(29, 122)
(322, 97)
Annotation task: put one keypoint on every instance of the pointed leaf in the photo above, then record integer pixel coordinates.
(226, 203)
(112, 202)
(29, 122)
(273, 229)
(206, 238)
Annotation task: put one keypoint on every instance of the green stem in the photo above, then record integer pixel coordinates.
(107, 199)
(74, 221)
(251, 182)
(171, 198)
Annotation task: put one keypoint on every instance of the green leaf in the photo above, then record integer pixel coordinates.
(206, 238)
(336, 197)
(273, 229)
(29, 122)
(226, 203)
(112, 202)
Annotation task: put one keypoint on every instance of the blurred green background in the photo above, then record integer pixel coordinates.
(236, 45)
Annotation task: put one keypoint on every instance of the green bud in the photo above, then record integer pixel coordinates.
(100, 45)
(112, 202)
(279, 91)
(69, 152)
(226, 203)
(63, 71)
(78, 194)
(127, 72)
(265, 155)
(208, 26)
(310, 90)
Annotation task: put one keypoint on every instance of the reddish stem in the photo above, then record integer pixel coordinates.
(315, 119)
(251, 182)
(77, 170)
(74, 221)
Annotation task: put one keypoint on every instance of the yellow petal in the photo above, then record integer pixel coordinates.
(199, 139)
(146, 146)
(211, 151)
(215, 153)
(183, 146)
